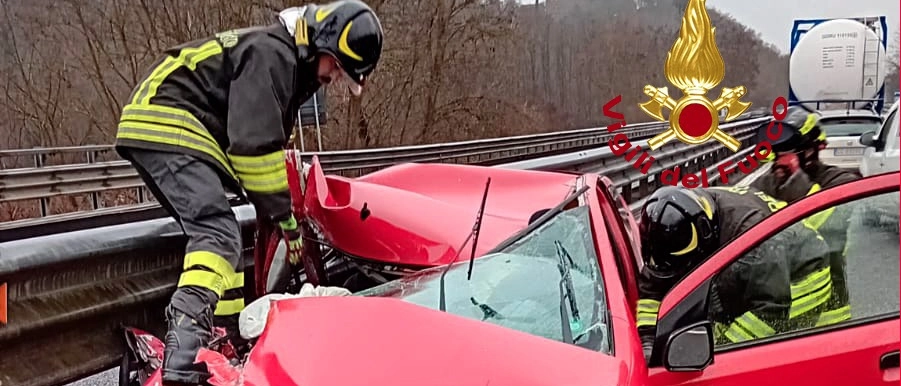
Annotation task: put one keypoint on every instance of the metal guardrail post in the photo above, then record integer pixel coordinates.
(95, 199)
(39, 162)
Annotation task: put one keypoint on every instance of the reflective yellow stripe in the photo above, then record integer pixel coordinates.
(813, 189)
(647, 312)
(817, 220)
(748, 326)
(229, 307)
(188, 57)
(805, 304)
(811, 292)
(211, 261)
(264, 174)
(150, 132)
(277, 182)
(736, 333)
(808, 124)
(646, 320)
(648, 305)
(237, 281)
(834, 316)
(165, 115)
(204, 279)
(810, 283)
(754, 325)
(260, 164)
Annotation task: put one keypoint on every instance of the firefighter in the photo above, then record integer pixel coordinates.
(214, 115)
(798, 172)
(754, 297)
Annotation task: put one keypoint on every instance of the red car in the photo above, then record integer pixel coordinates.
(402, 219)
(554, 305)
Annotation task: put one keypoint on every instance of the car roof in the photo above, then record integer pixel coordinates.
(849, 113)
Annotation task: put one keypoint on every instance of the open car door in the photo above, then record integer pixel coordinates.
(859, 350)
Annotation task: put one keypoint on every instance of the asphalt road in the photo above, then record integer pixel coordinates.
(106, 378)
(873, 275)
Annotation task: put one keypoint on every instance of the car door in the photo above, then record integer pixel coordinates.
(885, 153)
(862, 350)
(891, 151)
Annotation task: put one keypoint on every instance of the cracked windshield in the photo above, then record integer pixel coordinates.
(524, 286)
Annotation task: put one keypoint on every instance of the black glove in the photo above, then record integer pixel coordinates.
(294, 242)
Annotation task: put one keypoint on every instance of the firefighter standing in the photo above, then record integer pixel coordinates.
(215, 115)
(798, 172)
(751, 299)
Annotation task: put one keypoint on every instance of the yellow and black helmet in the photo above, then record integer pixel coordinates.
(350, 31)
(800, 130)
(679, 228)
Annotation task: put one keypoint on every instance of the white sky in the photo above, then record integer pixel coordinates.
(775, 26)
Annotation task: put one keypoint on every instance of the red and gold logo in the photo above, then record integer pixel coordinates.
(695, 66)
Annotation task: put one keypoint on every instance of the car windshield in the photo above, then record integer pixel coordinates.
(521, 286)
(849, 127)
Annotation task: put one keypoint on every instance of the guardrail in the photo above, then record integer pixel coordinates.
(68, 293)
(93, 179)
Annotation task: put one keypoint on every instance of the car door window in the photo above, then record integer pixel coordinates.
(835, 269)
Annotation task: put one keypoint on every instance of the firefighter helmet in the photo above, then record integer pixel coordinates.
(800, 131)
(679, 228)
(349, 31)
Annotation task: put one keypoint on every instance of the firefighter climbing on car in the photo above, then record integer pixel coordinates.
(798, 172)
(214, 115)
(756, 296)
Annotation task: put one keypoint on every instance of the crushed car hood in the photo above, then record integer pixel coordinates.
(418, 215)
(344, 341)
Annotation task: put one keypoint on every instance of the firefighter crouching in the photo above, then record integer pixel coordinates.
(798, 172)
(772, 288)
(214, 115)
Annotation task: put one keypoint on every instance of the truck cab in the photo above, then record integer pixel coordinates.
(881, 154)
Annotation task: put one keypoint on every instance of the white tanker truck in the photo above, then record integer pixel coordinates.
(838, 68)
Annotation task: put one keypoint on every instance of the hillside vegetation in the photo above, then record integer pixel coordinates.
(452, 69)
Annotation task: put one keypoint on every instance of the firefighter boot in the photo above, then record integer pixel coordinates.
(188, 332)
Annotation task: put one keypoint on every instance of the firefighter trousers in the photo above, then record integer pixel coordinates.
(194, 194)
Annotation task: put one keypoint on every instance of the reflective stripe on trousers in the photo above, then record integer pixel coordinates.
(647, 312)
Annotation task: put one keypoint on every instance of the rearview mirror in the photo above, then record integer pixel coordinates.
(867, 139)
(689, 348)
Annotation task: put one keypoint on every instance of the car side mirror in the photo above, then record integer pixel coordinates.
(867, 139)
(689, 348)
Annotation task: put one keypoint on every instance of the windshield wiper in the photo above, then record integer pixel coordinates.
(567, 293)
(476, 228)
(474, 234)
